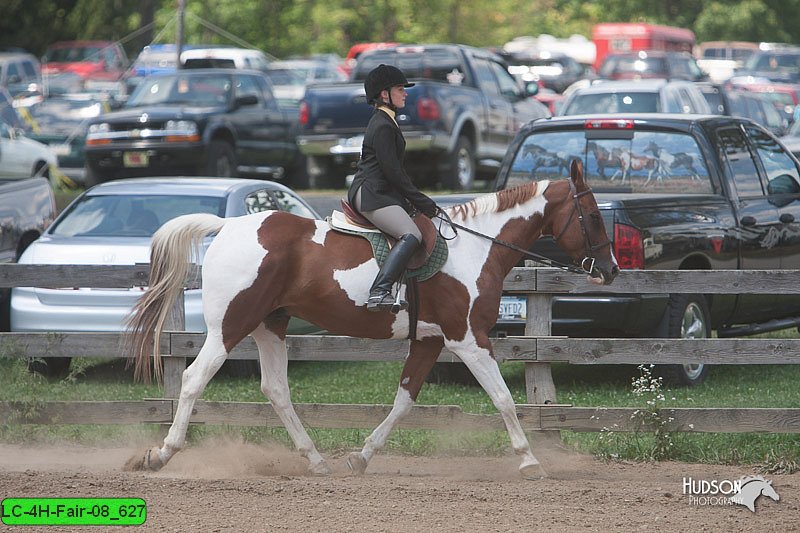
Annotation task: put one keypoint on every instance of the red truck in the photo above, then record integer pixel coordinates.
(616, 37)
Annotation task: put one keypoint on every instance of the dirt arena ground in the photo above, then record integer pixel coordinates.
(232, 486)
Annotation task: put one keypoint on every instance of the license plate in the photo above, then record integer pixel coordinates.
(513, 308)
(135, 159)
(61, 149)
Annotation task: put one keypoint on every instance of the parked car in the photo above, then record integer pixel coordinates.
(637, 96)
(96, 60)
(781, 65)
(651, 64)
(21, 157)
(212, 122)
(225, 57)
(311, 70)
(550, 70)
(287, 84)
(731, 102)
(112, 224)
(720, 59)
(20, 73)
(784, 96)
(61, 123)
(792, 139)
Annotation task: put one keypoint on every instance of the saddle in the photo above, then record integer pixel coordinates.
(428, 259)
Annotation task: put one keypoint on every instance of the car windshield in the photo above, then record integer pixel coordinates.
(183, 89)
(646, 162)
(633, 65)
(773, 62)
(130, 215)
(285, 76)
(617, 102)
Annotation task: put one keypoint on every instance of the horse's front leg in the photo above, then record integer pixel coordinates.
(422, 355)
(479, 358)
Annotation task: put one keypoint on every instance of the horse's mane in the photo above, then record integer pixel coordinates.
(499, 201)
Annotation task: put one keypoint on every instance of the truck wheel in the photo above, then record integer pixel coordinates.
(460, 176)
(221, 160)
(688, 319)
(298, 173)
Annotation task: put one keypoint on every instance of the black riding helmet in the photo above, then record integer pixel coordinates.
(383, 77)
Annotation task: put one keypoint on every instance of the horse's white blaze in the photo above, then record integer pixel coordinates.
(356, 281)
(321, 231)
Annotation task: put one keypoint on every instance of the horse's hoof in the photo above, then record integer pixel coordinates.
(320, 469)
(357, 463)
(532, 471)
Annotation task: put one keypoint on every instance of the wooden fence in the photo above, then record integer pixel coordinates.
(537, 349)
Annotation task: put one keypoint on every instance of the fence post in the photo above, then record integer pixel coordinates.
(174, 366)
(538, 377)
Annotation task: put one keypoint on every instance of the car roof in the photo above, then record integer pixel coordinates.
(199, 71)
(649, 118)
(223, 52)
(168, 185)
(643, 85)
(68, 44)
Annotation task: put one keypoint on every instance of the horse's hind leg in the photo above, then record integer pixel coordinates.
(194, 381)
(421, 357)
(483, 366)
(275, 386)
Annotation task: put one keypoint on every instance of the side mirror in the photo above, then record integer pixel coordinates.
(532, 88)
(248, 99)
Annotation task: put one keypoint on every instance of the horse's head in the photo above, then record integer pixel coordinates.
(653, 148)
(578, 227)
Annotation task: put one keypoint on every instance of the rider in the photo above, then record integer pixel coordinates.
(381, 189)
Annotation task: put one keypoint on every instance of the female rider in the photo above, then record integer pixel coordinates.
(381, 189)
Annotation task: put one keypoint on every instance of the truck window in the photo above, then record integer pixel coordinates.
(486, 80)
(782, 174)
(740, 165)
(507, 83)
(648, 162)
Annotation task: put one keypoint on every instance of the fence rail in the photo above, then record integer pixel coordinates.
(537, 350)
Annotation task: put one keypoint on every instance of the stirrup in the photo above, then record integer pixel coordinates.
(385, 302)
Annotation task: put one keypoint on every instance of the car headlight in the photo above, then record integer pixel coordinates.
(102, 127)
(185, 127)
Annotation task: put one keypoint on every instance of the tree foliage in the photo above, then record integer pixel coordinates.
(286, 27)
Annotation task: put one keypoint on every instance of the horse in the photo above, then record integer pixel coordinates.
(543, 158)
(604, 158)
(629, 161)
(751, 488)
(668, 162)
(261, 269)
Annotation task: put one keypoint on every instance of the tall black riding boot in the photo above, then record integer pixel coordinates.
(380, 295)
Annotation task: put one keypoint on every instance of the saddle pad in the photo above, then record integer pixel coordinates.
(380, 248)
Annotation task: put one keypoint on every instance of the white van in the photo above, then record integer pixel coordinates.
(225, 58)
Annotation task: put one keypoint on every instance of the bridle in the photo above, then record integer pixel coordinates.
(576, 208)
(589, 248)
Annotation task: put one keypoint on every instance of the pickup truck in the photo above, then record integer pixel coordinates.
(676, 192)
(213, 122)
(458, 119)
(27, 207)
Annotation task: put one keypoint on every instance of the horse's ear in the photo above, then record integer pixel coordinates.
(576, 172)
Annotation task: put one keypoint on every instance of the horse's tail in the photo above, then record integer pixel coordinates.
(175, 245)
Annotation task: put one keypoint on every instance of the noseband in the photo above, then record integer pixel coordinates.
(589, 248)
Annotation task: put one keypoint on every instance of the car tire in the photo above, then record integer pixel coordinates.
(688, 318)
(298, 173)
(461, 168)
(221, 160)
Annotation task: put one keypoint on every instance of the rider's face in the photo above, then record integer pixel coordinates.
(398, 93)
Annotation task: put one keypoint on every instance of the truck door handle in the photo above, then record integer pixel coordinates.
(748, 221)
(786, 218)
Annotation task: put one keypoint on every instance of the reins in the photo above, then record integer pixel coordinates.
(576, 208)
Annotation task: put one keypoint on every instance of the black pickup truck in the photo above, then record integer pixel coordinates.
(458, 119)
(676, 192)
(214, 122)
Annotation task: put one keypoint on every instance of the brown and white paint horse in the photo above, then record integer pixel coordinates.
(263, 268)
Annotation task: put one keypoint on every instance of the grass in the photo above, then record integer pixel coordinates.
(373, 382)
